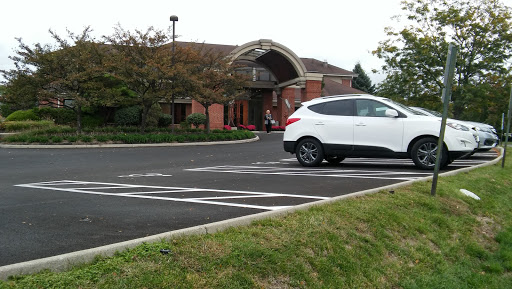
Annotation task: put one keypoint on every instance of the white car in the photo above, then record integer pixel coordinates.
(487, 135)
(363, 125)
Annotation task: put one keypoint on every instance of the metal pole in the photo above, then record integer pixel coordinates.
(447, 92)
(508, 129)
(173, 18)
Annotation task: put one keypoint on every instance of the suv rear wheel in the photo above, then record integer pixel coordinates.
(424, 153)
(309, 152)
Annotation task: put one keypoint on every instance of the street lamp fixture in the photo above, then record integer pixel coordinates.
(173, 19)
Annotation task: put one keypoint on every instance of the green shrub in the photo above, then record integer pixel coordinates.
(214, 137)
(102, 138)
(21, 138)
(5, 109)
(56, 139)
(196, 119)
(21, 115)
(192, 137)
(154, 114)
(92, 121)
(86, 138)
(128, 116)
(11, 126)
(72, 138)
(180, 138)
(164, 138)
(58, 115)
(184, 125)
(38, 139)
(165, 120)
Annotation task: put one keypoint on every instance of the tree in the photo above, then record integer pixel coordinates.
(142, 61)
(19, 92)
(415, 56)
(362, 81)
(72, 69)
(215, 81)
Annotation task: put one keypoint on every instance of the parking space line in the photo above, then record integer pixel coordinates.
(261, 169)
(96, 188)
(363, 174)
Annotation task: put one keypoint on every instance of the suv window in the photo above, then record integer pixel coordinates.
(371, 108)
(337, 107)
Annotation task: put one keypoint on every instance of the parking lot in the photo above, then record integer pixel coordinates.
(62, 201)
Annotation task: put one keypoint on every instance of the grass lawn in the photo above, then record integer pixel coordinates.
(405, 239)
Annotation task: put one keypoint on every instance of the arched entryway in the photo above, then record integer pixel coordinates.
(279, 82)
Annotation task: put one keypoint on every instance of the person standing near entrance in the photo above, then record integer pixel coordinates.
(268, 121)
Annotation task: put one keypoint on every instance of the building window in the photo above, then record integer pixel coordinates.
(69, 102)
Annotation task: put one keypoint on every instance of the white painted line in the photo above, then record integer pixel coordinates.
(162, 192)
(58, 186)
(145, 175)
(364, 174)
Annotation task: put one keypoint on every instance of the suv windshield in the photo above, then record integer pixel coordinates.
(438, 114)
(406, 108)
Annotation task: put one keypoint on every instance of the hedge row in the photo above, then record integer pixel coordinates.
(13, 126)
(126, 138)
(123, 116)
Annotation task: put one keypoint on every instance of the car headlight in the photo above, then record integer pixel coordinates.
(457, 126)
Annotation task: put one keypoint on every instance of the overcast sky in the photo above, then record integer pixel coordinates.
(339, 32)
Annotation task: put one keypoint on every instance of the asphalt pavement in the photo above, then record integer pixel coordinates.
(57, 201)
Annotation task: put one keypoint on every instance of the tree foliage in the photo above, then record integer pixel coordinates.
(415, 56)
(73, 68)
(142, 61)
(127, 68)
(215, 80)
(362, 81)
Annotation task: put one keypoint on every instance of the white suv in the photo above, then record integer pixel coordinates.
(362, 125)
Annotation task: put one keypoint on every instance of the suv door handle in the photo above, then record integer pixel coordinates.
(361, 124)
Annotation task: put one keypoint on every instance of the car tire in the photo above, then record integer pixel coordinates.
(423, 154)
(334, 160)
(309, 152)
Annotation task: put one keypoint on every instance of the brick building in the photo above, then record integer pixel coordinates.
(280, 82)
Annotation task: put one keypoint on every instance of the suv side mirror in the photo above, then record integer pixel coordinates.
(391, 113)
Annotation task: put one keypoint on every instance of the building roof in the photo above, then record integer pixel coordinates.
(334, 88)
(314, 65)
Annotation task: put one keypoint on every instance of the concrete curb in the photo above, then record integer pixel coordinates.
(66, 261)
(256, 138)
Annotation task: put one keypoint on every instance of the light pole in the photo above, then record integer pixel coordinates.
(173, 19)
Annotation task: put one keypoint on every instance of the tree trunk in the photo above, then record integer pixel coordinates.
(145, 112)
(78, 119)
(207, 124)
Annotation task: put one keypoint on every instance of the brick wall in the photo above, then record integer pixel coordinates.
(216, 112)
(313, 90)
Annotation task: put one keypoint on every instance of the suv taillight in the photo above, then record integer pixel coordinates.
(291, 120)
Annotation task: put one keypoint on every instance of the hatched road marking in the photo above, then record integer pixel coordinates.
(178, 194)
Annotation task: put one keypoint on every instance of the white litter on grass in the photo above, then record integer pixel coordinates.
(469, 194)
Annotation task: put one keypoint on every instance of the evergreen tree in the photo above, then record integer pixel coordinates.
(362, 81)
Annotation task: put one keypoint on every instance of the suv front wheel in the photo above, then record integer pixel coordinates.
(309, 152)
(334, 160)
(424, 153)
